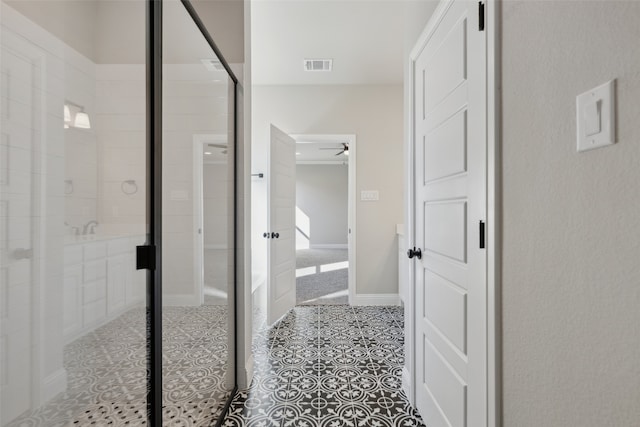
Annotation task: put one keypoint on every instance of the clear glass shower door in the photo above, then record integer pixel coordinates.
(198, 227)
(73, 331)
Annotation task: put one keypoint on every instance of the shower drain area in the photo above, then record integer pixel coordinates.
(107, 369)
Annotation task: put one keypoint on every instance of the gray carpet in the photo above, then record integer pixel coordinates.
(322, 276)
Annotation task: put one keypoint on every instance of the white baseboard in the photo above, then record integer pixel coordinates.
(376, 299)
(54, 384)
(406, 385)
(181, 300)
(248, 370)
(329, 246)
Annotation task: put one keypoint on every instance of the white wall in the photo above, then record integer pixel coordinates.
(374, 114)
(225, 22)
(571, 276)
(321, 197)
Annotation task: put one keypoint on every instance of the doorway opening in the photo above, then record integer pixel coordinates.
(325, 219)
(210, 179)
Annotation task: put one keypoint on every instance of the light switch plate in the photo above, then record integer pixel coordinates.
(595, 118)
(369, 195)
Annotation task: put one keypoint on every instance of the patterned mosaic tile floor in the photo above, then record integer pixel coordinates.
(328, 366)
(320, 366)
(107, 372)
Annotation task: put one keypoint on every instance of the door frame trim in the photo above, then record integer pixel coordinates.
(351, 199)
(493, 209)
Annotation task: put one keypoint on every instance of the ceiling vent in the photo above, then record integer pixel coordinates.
(318, 64)
(212, 64)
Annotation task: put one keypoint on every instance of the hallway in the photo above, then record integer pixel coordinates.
(322, 276)
(328, 366)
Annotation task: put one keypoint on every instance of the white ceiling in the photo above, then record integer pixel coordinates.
(364, 38)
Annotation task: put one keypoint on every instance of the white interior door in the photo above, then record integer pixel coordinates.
(21, 95)
(450, 203)
(281, 200)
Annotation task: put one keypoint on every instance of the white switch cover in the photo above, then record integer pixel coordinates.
(595, 117)
(369, 195)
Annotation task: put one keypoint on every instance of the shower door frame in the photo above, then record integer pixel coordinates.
(150, 255)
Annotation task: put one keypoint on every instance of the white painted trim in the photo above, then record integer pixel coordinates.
(426, 34)
(406, 379)
(409, 238)
(199, 140)
(198, 214)
(494, 224)
(376, 299)
(248, 366)
(352, 203)
(182, 300)
(494, 220)
(257, 280)
(329, 246)
(54, 384)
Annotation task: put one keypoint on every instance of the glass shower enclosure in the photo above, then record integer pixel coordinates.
(117, 207)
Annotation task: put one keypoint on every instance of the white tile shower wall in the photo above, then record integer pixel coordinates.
(80, 145)
(120, 127)
(191, 107)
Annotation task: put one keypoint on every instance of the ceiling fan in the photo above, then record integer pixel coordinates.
(222, 146)
(345, 149)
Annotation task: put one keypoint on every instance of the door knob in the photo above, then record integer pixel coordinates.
(414, 253)
(275, 235)
(266, 235)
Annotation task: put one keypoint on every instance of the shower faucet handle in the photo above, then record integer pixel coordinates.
(90, 227)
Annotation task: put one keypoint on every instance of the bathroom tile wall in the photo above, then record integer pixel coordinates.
(193, 105)
(120, 127)
(80, 145)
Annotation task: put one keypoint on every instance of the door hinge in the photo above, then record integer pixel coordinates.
(481, 16)
(146, 257)
(482, 237)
